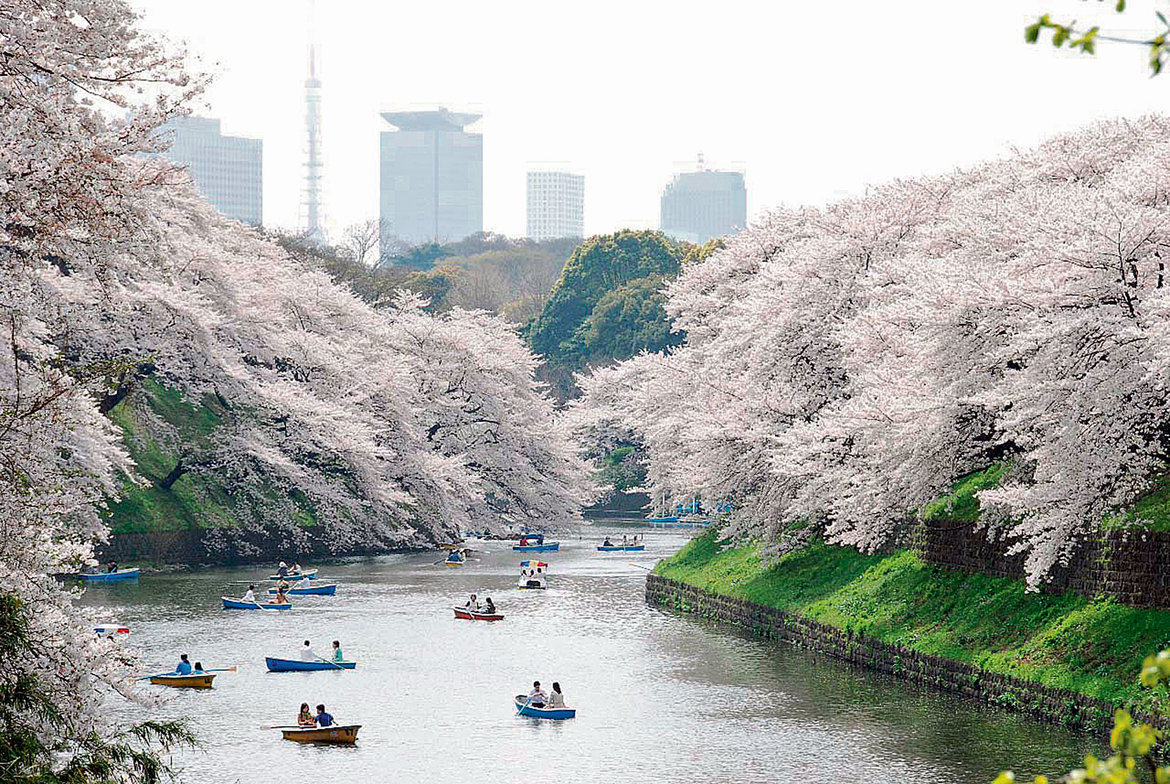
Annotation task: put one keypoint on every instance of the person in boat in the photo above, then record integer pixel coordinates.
(337, 655)
(184, 667)
(296, 569)
(555, 698)
(625, 540)
(281, 596)
(308, 654)
(305, 717)
(198, 668)
(282, 570)
(523, 541)
(607, 543)
(324, 719)
(489, 606)
(111, 567)
(250, 595)
(472, 603)
(537, 698)
(304, 582)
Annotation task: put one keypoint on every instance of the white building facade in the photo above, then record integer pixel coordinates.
(556, 205)
(228, 171)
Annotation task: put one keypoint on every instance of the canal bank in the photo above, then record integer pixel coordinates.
(1064, 658)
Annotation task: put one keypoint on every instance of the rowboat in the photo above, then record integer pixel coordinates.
(310, 573)
(112, 628)
(236, 604)
(312, 590)
(455, 560)
(617, 548)
(467, 614)
(194, 681)
(294, 665)
(345, 735)
(536, 548)
(524, 709)
(451, 546)
(109, 577)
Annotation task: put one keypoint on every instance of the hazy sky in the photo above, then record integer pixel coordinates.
(813, 100)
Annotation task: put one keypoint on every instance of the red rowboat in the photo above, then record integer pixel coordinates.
(468, 614)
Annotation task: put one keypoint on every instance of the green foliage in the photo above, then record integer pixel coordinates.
(1091, 646)
(622, 469)
(600, 266)
(624, 322)
(961, 503)
(1158, 45)
(136, 754)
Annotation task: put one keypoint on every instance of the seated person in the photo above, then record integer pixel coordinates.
(337, 657)
(304, 582)
(537, 698)
(305, 717)
(555, 698)
(308, 654)
(607, 543)
(472, 603)
(198, 668)
(282, 570)
(111, 567)
(323, 719)
(281, 596)
(184, 667)
(250, 596)
(490, 606)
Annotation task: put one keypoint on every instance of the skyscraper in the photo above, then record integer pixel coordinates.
(431, 178)
(699, 205)
(556, 205)
(227, 170)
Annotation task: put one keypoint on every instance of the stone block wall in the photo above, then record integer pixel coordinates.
(1130, 565)
(1055, 705)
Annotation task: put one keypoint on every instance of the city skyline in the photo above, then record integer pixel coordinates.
(627, 129)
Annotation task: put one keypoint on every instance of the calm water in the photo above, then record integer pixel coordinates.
(660, 697)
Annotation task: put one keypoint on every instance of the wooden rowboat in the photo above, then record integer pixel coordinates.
(468, 614)
(236, 604)
(342, 735)
(557, 714)
(109, 577)
(312, 590)
(296, 665)
(194, 681)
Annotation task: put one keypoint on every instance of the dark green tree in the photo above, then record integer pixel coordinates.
(624, 322)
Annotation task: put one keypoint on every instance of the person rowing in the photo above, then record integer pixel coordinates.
(282, 570)
(281, 596)
(111, 567)
(472, 603)
(250, 596)
(184, 666)
(324, 719)
(308, 654)
(537, 698)
(607, 543)
(304, 582)
(305, 717)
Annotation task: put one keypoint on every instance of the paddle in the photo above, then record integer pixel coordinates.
(233, 668)
(327, 661)
(282, 727)
(639, 566)
(522, 707)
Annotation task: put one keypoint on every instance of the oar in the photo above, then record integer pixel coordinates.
(639, 566)
(282, 727)
(233, 668)
(156, 675)
(522, 707)
(327, 661)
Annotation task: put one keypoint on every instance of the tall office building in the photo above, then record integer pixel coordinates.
(699, 205)
(431, 178)
(227, 170)
(556, 205)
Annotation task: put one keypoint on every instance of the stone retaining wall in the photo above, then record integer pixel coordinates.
(1055, 705)
(1130, 565)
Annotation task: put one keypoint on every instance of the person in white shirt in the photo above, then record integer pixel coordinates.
(304, 582)
(537, 698)
(308, 654)
(250, 596)
(472, 603)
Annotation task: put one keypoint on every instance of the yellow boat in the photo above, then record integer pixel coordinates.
(201, 681)
(343, 735)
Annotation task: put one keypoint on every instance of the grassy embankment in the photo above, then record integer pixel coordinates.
(1091, 646)
(198, 499)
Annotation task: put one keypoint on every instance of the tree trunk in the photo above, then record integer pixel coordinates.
(176, 472)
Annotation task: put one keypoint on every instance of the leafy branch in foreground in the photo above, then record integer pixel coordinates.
(1086, 40)
(1132, 743)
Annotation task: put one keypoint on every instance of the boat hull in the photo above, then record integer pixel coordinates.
(341, 735)
(112, 628)
(476, 615)
(311, 574)
(200, 681)
(316, 590)
(111, 577)
(236, 604)
(555, 714)
(453, 563)
(621, 548)
(536, 548)
(295, 665)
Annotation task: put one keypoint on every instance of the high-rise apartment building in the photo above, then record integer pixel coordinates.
(556, 205)
(700, 205)
(227, 170)
(431, 178)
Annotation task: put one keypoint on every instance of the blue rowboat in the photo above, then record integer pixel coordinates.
(536, 548)
(109, 577)
(294, 665)
(236, 604)
(665, 519)
(524, 709)
(312, 590)
(310, 573)
(617, 548)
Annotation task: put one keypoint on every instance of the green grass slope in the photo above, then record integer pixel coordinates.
(1092, 646)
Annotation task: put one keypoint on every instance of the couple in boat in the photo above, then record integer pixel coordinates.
(281, 596)
(184, 667)
(489, 607)
(309, 655)
(306, 719)
(537, 698)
